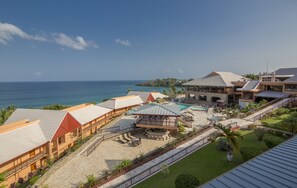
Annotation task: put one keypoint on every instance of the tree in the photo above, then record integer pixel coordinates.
(259, 132)
(55, 107)
(172, 89)
(231, 138)
(252, 76)
(5, 113)
(291, 123)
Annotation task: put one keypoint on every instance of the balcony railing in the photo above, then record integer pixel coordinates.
(26, 163)
(206, 90)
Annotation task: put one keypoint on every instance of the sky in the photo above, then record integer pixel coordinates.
(141, 40)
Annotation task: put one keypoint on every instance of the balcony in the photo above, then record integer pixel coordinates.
(26, 163)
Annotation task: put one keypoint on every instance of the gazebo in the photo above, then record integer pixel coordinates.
(156, 116)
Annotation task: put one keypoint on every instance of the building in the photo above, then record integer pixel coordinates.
(59, 128)
(120, 105)
(145, 96)
(158, 95)
(215, 87)
(274, 168)
(23, 149)
(279, 84)
(158, 116)
(90, 117)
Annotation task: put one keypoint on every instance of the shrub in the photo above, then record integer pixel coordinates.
(248, 153)
(222, 144)
(280, 111)
(259, 132)
(272, 141)
(21, 180)
(252, 127)
(33, 180)
(123, 164)
(181, 127)
(186, 181)
(91, 180)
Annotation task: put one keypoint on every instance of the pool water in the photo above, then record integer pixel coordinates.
(183, 106)
(198, 108)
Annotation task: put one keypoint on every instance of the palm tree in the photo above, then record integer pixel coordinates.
(231, 138)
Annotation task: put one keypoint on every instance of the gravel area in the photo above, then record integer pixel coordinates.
(108, 154)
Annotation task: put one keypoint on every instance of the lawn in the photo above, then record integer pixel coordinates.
(206, 163)
(279, 122)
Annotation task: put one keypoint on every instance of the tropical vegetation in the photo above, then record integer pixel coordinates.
(164, 82)
(186, 181)
(231, 138)
(5, 113)
(55, 107)
(282, 119)
(206, 163)
(252, 76)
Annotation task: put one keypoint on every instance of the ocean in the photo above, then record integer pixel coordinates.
(38, 94)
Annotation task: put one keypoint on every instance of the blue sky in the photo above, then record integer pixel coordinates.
(138, 40)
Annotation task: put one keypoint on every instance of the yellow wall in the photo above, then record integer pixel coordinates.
(21, 160)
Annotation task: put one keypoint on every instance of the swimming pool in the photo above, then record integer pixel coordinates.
(183, 106)
(198, 108)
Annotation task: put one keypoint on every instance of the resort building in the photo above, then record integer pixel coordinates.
(215, 87)
(91, 117)
(146, 97)
(158, 95)
(274, 168)
(59, 128)
(156, 116)
(279, 84)
(23, 149)
(120, 105)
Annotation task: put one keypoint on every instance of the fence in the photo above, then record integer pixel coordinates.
(168, 161)
(274, 108)
(116, 132)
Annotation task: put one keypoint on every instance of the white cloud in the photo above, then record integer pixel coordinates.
(77, 43)
(180, 71)
(123, 42)
(9, 31)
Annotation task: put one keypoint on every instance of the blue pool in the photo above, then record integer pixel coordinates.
(183, 106)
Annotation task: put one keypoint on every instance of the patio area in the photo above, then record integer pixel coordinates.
(106, 156)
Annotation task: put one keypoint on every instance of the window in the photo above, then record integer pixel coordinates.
(74, 133)
(32, 153)
(33, 167)
(61, 139)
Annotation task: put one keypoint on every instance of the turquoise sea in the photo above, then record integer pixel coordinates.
(38, 94)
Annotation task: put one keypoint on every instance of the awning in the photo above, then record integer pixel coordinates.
(272, 94)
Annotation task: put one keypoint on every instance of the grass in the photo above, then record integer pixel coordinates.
(278, 122)
(206, 163)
